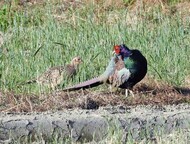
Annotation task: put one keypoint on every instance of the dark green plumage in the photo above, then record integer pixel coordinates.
(136, 63)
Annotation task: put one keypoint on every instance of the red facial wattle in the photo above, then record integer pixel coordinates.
(117, 49)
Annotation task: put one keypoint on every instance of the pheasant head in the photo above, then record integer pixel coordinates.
(122, 50)
(76, 61)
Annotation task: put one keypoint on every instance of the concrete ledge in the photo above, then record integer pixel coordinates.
(88, 125)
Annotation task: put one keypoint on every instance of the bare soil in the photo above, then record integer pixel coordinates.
(148, 92)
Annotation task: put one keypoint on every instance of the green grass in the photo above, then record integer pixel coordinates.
(164, 40)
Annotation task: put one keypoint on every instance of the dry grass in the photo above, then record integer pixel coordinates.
(149, 92)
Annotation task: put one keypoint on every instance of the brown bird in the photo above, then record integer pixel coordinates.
(55, 75)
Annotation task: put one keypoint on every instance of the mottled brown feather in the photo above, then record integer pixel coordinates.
(55, 75)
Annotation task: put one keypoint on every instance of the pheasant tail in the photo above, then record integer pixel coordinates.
(84, 85)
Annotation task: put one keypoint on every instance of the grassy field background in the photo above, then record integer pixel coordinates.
(45, 34)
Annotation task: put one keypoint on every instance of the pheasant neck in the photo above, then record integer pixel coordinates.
(73, 64)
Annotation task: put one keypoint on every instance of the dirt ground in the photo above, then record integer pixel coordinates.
(148, 92)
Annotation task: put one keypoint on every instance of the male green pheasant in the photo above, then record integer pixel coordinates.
(135, 62)
(55, 75)
(125, 69)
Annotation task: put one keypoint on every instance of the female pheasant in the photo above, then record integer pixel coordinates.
(55, 75)
(124, 70)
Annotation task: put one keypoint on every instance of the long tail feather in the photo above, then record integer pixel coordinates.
(85, 85)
